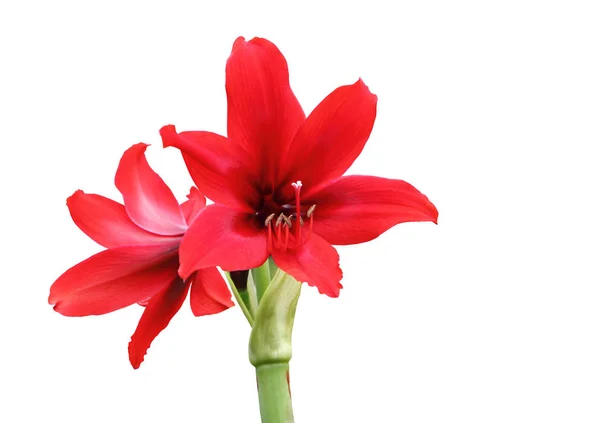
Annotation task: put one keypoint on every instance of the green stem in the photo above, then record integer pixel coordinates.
(262, 278)
(239, 299)
(274, 393)
(270, 348)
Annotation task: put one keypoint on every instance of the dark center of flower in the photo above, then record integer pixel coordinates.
(284, 220)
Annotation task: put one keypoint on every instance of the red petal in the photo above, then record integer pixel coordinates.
(113, 279)
(222, 237)
(333, 135)
(209, 294)
(195, 203)
(148, 200)
(107, 222)
(263, 113)
(316, 263)
(158, 313)
(215, 164)
(357, 209)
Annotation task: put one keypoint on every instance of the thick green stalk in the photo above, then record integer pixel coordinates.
(270, 348)
(274, 393)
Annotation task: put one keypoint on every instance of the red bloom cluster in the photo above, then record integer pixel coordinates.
(278, 189)
(142, 257)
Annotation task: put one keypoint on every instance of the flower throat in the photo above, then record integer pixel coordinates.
(290, 218)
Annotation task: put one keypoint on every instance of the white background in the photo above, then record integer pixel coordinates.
(490, 108)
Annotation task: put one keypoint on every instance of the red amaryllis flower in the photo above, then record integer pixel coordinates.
(141, 261)
(276, 179)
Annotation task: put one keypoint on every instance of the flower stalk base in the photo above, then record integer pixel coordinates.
(270, 348)
(274, 393)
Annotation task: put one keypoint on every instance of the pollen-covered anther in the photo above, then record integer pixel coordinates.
(287, 220)
(309, 214)
(279, 220)
(269, 218)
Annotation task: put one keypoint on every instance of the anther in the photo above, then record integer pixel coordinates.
(269, 218)
(279, 220)
(287, 221)
(310, 210)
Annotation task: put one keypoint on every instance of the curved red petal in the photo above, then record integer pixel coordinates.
(223, 237)
(357, 209)
(106, 222)
(158, 313)
(315, 262)
(148, 200)
(263, 113)
(194, 205)
(216, 165)
(113, 279)
(333, 136)
(209, 294)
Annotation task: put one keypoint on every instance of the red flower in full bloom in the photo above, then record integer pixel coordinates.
(276, 179)
(141, 261)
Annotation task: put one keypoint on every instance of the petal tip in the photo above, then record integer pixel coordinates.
(168, 133)
(138, 148)
(216, 308)
(434, 213)
(136, 355)
(58, 306)
(184, 272)
(360, 83)
(193, 192)
(238, 43)
(333, 292)
(135, 362)
(73, 196)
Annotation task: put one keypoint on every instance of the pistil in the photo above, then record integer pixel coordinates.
(297, 186)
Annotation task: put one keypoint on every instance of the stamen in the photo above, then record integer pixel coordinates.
(309, 214)
(269, 236)
(269, 218)
(277, 236)
(279, 220)
(269, 230)
(287, 237)
(287, 221)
